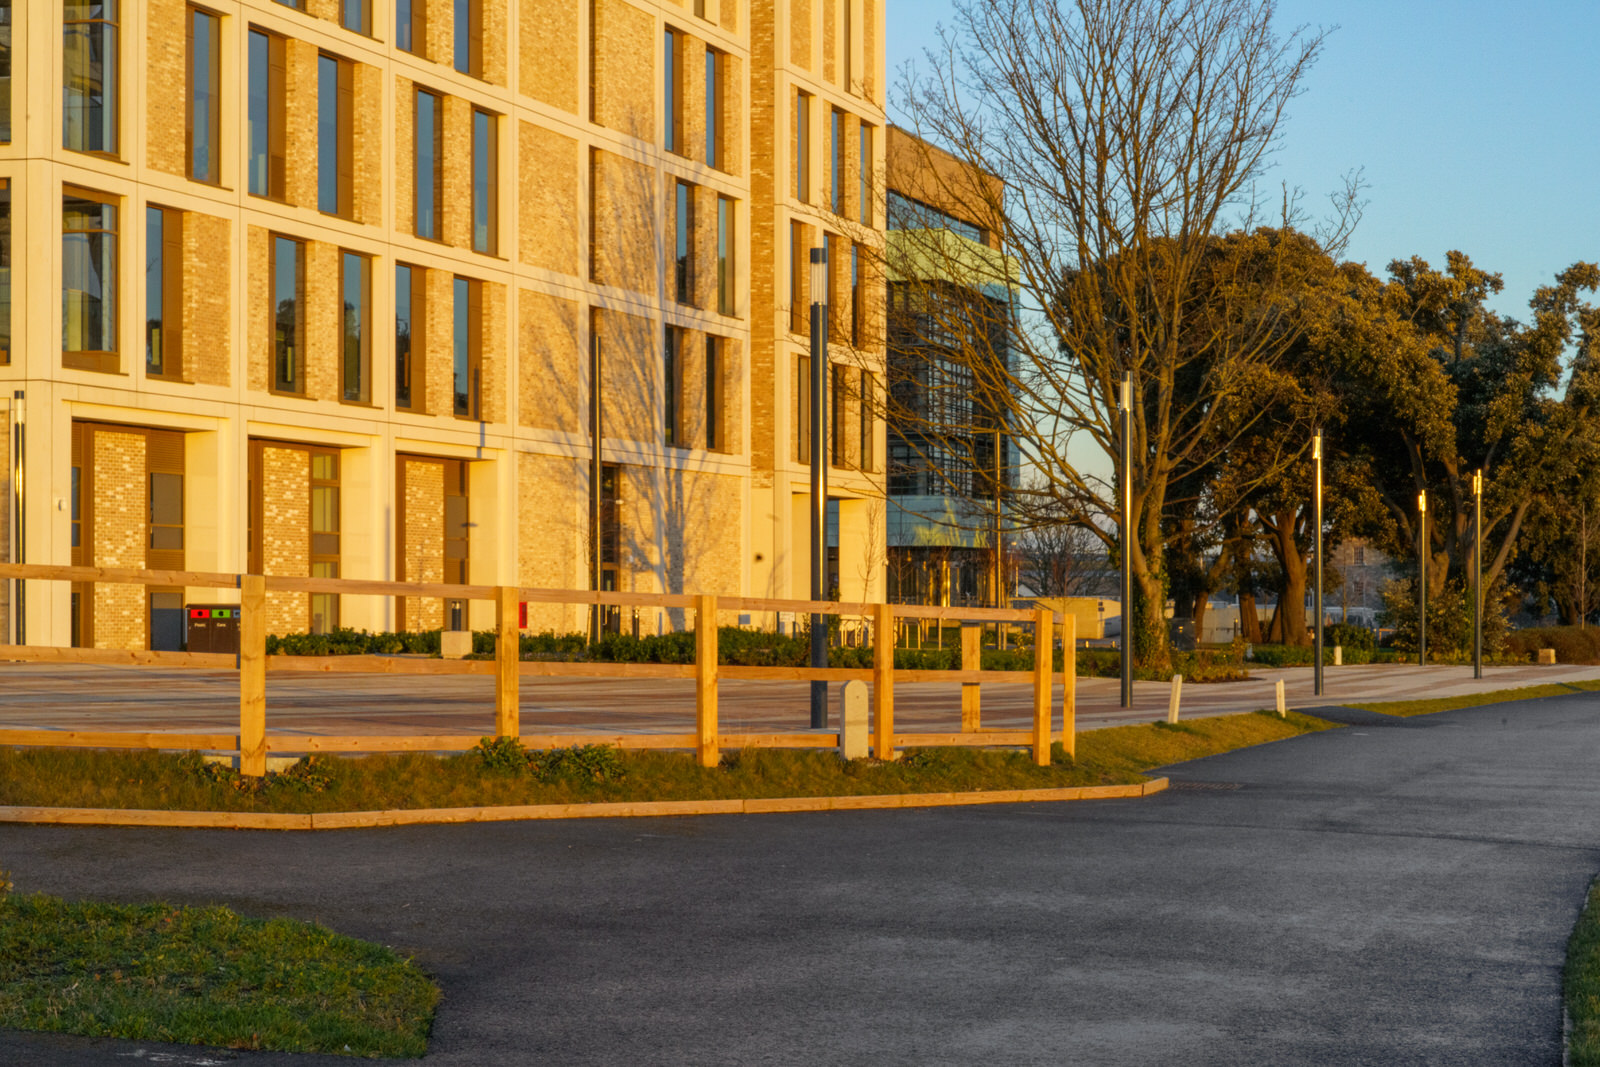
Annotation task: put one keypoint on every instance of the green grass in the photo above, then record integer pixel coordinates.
(1580, 982)
(1474, 700)
(153, 972)
(90, 778)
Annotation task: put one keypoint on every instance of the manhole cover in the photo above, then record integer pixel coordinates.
(1203, 787)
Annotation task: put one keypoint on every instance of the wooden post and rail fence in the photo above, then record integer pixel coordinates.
(253, 743)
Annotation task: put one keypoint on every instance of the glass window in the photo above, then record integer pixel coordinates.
(205, 96)
(356, 15)
(713, 393)
(298, 5)
(88, 273)
(485, 183)
(163, 292)
(408, 316)
(866, 174)
(429, 136)
(267, 80)
(840, 425)
(683, 212)
(802, 155)
(288, 304)
(469, 37)
(855, 294)
(466, 342)
(714, 66)
(908, 214)
(356, 336)
(867, 412)
(672, 386)
(166, 511)
(89, 75)
(5, 270)
(797, 268)
(325, 531)
(410, 25)
(669, 89)
(335, 102)
(802, 409)
(5, 71)
(725, 256)
(836, 163)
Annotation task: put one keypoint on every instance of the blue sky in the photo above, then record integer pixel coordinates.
(1477, 124)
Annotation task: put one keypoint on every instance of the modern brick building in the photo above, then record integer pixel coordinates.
(311, 288)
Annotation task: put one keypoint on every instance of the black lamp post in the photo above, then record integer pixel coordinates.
(1126, 404)
(1422, 578)
(819, 478)
(1477, 573)
(1316, 522)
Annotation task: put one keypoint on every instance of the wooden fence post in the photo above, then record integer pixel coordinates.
(252, 675)
(1069, 684)
(507, 651)
(1043, 674)
(705, 680)
(883, 681)
(971, 660)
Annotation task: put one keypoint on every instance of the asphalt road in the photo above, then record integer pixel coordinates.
(1380, 894)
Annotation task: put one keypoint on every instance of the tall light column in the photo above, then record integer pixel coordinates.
(1477, 573)
(819, 478)
(1316, 522)
(1422, 578)
(596, 499)
(19, 530)
(1126, 404)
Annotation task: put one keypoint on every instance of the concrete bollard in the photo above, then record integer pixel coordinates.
(455, 644)
(1172, 701)
(1547, 656)
(853, 731)
(1338, 655)
(1283, 707)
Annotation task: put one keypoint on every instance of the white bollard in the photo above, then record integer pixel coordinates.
(1172, 701)
(1283, 708)
(853, 733)
(1338, 655)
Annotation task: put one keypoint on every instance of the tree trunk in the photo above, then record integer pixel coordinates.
(1199, 618)
(1249, 621)
(1150, 632)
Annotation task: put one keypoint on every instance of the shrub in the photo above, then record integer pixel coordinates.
(1572, 645)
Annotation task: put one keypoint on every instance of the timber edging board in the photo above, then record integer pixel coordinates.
(344, 820)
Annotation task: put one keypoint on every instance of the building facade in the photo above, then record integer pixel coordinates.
(312, 288)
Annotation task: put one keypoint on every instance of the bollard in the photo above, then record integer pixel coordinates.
(853, 728)
(971, 660)
(1338, 655)
(1172, 701)
(1283, 709)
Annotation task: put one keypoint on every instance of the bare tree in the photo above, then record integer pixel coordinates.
(1120, 136)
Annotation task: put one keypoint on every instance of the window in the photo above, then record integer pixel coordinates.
(725, 304)
(408, 326)
(5, 270)
(411, 25)
(797, 269)
(802, 155)
(840, 387)
(714, 371)
(467, 345)
(356, 15)
(298, 5)
(430, 136)
(714, 68)
(324, 464)
(849, 45)
(867, 410)
(5, 71)
(288, 315)
(908, 214)
(267, 79)
(672, 386)
(802, 409)
(856, 308)
(682, 260)
(672, 68)
(163, 293)
(836, 153)
(355, 343)
(866, 174)
(204, 128)
(89, 279)
(836, 312)
(469, 37)
(335, 154)
(166, 511)
(485, 183)
(89, 76)
(457, 521)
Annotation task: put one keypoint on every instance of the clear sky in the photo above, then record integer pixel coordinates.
(1477, 123)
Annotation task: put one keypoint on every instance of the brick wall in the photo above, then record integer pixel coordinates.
(367, 173)
(258, 315)
(119, 536)
(285, 542)
(207, 337)
(800, 33)
(627, 229)
(548, 175)
(552, 498)
(300, 123)
(439, 341)
(548, 52)
(551, 394)
(441, 20)
(423, 543)
(495, 15)
(166, 86)
(405, 148)
(322, 314)
(680, 531)
(622, 72)
(456, 189)
(630, 374)
(494, 361)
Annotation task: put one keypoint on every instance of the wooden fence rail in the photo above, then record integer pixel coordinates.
(253, 743)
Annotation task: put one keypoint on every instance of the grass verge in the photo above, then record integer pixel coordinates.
(1580, 983)
(1472, 700)
(205, 976)
(500, 773)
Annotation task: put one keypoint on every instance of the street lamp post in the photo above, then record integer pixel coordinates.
(1477, 573)
(1422, 578)
(596, 497)
(1316, 522)
(819, 478)
(1126, 404)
